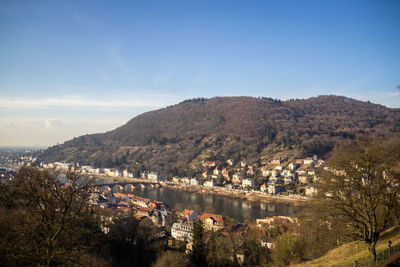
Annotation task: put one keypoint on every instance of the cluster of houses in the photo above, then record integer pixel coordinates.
(277, 176)
(183, 228)
(127, 203)
(274, 177)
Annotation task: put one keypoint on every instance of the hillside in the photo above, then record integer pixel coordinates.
(175, 139)
(345, 254)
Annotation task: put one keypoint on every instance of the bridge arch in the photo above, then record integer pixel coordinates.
(129, 188)
(117, 188)
(105, 189)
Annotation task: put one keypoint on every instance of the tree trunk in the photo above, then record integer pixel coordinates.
(372, 250)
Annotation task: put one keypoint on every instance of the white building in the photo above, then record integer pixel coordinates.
(153, 176)
(183, 231)
(248, 183)
(209, 184)
(194, 181)
(292, 166)
(311, 191)
(308, 161)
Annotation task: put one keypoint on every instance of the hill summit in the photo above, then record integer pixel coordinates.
(174, 140)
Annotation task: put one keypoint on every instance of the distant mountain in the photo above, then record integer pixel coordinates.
(174, 140)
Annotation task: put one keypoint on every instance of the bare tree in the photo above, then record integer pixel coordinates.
(360, 186)
(49, 222)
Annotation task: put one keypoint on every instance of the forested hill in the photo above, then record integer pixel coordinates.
(175, 139)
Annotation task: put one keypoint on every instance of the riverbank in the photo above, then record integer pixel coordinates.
(250, 196)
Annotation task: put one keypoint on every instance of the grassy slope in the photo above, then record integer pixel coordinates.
(357, 250)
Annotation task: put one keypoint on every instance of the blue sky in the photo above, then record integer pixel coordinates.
(69, 68)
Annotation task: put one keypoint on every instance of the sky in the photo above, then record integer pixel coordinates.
(69, 68)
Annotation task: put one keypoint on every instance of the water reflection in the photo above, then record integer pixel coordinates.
(241, 210)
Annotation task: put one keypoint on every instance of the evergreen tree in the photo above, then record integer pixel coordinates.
(198, 255)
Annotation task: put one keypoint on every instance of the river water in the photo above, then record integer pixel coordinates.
(240, 210)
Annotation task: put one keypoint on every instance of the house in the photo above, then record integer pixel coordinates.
(231, 162)
(288, 179)
(311, 172)
(194, 181)
(308, 161)
(286, 173)
(154, 176)
(310, 191)
(250, 171)
(263, 188)
(225, 173)
(204, 174)
(236, 178)
(265, 171)
(279, 168)
(243, 163)
(302, 171)
(248, 182)
(216, 171)
(209, 183)
(187, 214)
(208, 163)
(304, 179)
(183, 231)
(268, 221)
(185, 180)
(125, 173)
(143, 212)
(158, 217)
(275, 189)
(212, 222)
(276, 161)
(320, 163)
(292, 166)
(140, 201)
(275, 173)
(176, 180)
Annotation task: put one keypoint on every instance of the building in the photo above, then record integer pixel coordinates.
(263, 188)
(209, 184)
(310, 191)
(275, 189)
(153, 176)
(308, 161)
(276, 161)
(304, 179)
(248, 182)
(236, 178)
(265, 171)
(187, 214)
(212, 222)
(275, 219)
(292, 166)
(194, 181)
(183, 231)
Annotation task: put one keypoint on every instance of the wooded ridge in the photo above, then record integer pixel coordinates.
(174, 140)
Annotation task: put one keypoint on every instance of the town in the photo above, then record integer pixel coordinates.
(278, 177)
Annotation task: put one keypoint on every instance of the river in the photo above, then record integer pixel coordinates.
(240, 210)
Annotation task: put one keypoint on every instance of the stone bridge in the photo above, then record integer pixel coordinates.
(123, 187)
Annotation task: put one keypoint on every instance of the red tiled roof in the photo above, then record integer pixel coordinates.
(188, 212)
(216, 217)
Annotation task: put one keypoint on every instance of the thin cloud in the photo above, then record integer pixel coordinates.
(73, 101)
